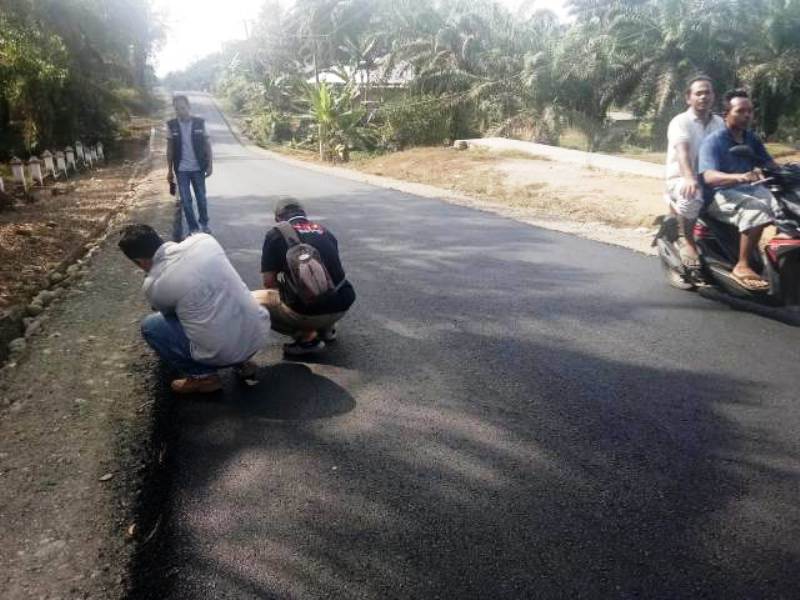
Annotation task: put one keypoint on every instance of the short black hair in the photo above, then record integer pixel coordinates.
(178, 97)
(730, 95)
(694, 80)
(288, 207)
(139, 241)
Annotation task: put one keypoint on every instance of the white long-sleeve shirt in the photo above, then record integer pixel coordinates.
(195, 280)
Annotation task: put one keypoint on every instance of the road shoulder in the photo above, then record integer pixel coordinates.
(76, 430)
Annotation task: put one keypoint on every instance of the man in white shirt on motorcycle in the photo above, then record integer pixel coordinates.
(685, 135)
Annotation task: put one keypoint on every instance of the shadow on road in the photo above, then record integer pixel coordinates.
(589, 478)
(291, 392)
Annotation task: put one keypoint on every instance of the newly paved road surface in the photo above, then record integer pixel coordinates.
(509, 413)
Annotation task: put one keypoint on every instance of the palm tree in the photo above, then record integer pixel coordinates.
(663, 44)
(771, 68)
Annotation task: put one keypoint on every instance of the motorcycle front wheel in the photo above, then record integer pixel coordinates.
(674, 278)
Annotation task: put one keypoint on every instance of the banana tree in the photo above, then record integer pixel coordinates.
(338, 119)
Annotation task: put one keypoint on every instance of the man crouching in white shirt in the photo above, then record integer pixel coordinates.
(207, 319)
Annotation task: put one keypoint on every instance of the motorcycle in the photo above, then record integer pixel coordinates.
(718, 246)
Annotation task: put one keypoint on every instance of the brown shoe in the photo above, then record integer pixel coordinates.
(197, 385)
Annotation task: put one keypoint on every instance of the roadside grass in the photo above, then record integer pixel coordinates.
(520, 155)
(572, 138)
(643, 154)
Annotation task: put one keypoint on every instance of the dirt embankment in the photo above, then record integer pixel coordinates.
(37, 236)
(76, 414)
(522, 181)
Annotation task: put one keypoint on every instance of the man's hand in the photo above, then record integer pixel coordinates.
(209, 170)
(750, 176)
(689, 187)
(170, 177)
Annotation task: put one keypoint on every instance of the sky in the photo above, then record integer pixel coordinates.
(196, 28)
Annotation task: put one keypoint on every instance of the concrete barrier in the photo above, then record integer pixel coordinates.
(35, 170)
(49, 166)
(594, 160)
(53, 165)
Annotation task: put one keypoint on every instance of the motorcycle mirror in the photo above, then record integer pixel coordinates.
(742, 151)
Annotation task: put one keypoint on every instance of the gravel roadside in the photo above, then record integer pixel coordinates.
(76, 431)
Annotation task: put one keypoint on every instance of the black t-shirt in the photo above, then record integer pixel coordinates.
(273, 258)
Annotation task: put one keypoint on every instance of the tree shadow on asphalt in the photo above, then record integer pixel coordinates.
(490, 455)
(465, 485)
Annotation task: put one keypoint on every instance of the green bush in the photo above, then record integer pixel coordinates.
(415, 121)
(270, 128)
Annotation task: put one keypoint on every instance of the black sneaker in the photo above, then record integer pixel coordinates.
(304, 348)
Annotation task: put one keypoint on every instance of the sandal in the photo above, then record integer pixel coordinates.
(752, 283)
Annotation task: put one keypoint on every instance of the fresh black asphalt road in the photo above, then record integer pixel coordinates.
(509, 413)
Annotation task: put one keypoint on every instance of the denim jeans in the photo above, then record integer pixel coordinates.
(196, 180)
(165, 335)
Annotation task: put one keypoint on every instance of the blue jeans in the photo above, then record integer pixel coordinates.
(165, 335)
(197, 180)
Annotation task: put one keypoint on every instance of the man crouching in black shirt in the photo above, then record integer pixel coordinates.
(311, 325)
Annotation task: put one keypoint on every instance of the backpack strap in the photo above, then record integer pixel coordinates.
(289, 234)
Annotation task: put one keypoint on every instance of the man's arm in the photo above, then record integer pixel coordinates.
(678, 137)
(209, 156)
(270, 261)
(720, 179)
(710, 164)
(690, 185)
(170, 153)
(156, 297)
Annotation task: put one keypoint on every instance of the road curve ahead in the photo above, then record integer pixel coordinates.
(509, 413)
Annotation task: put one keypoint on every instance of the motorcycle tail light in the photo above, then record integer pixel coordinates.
(701, 232)
(778, 246)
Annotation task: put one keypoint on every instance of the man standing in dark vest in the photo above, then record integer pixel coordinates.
(189, 157)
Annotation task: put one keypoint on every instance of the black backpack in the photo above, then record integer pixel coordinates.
(306, 279)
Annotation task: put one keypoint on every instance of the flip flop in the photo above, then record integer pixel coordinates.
(752, 283)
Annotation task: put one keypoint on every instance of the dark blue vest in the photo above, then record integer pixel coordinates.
(198, 142)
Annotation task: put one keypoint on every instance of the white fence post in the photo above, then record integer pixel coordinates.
(49, 167)
(87, 156)
(70, 154)
(2, 186)
(18, 171)
(100, 154)
(35, 170)
(79, 158)
(93, 154)
(61, 164)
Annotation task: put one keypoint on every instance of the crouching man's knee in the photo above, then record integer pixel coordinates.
(151, 325)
